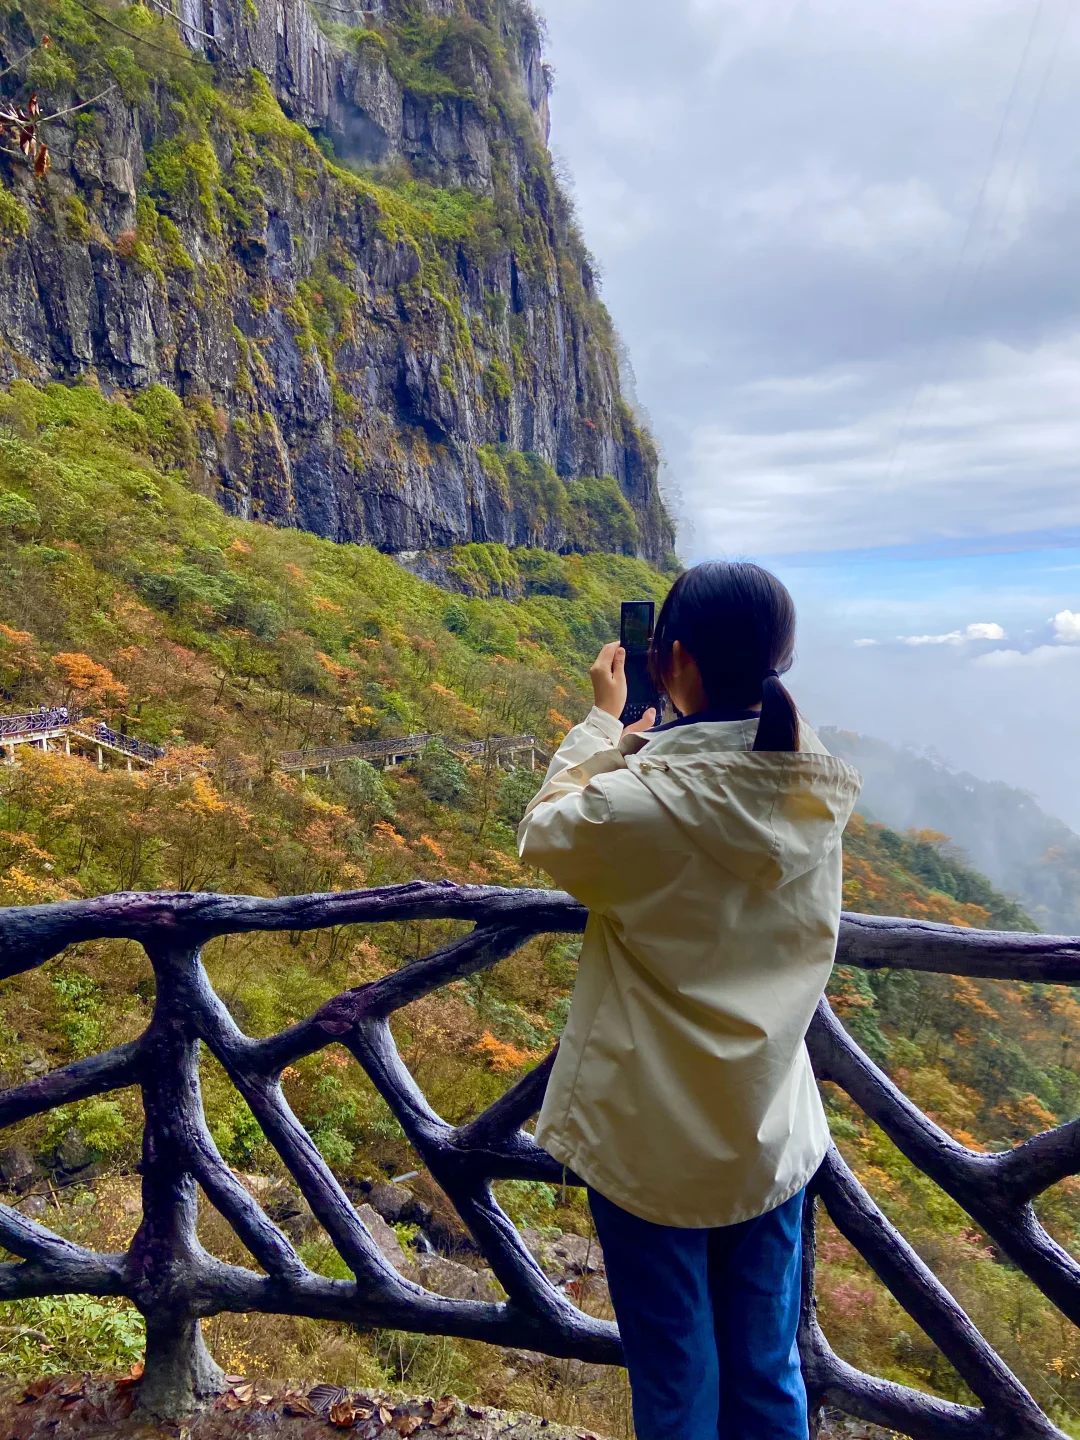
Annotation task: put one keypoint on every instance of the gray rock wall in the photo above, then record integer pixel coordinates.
(208, 282)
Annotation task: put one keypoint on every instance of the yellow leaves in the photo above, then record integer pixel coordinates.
(965, 992)
(501, 1057)
(332, 667)
(295, 573)
(90, 681)
(22, 888)
(433, 845)
(366, 961)
(319, 602)
(1026, 1117)
(558, 722)
(207, 797)
(385, 831)
(15, 639)
(241, 547)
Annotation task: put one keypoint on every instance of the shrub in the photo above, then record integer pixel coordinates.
(17, 514)
(601, 516)
(14, 217)
(237, 1134)
(515, 792)
(364, 791)
(443, 778)
(59, 1334)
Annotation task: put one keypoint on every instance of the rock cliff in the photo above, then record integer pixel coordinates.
(335, 233)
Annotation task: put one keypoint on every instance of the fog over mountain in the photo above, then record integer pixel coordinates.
(1002, 831)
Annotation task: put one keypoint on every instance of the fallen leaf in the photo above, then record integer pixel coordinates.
(299, 1405)
(323, 1396)
(72, 1388)
(474, 1412)
(406, 1424)
(135, 1373)
(244, 1392)
(235, 1379)
(342, 1415)
(264, 1399)
(230, 1401)
(385, 1414)
(37, 1389)
(444, 1410)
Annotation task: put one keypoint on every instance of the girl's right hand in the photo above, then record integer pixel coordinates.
(608, 676)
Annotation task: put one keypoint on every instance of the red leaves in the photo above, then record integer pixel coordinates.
(19, 124)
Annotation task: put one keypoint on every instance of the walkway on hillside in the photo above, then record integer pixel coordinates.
(40, 727)
(71, 731)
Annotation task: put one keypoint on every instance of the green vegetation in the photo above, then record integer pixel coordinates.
(14, 220)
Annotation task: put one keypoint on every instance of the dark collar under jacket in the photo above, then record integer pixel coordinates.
(705, 716)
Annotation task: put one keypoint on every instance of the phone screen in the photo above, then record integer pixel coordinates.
(637, 625)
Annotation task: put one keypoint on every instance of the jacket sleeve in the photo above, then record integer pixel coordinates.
(568, 829)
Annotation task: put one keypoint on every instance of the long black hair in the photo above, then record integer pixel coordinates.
(738, 623)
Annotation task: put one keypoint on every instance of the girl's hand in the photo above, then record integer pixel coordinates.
(608, 676)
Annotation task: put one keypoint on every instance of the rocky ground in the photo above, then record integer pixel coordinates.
(65, 1407)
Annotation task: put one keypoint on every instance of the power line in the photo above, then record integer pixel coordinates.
(968, 234)
(1044, 86)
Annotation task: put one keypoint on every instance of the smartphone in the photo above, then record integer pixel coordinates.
(638, 618)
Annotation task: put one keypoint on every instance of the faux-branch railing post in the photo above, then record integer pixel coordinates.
(175, 1283)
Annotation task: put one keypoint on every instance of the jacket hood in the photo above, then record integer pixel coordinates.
(766, 817)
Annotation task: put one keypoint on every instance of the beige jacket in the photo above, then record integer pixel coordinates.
(683, 1090)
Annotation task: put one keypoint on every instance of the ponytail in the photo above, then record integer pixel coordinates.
(738, 622)
(778, 728)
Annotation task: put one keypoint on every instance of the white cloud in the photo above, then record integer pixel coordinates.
(1067, 627)
(1042, 655)
(978, 631)
(850, 328)
(983, 631)
(862, 644)
(991, 452)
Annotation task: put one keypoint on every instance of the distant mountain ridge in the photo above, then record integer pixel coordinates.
(1001, 830)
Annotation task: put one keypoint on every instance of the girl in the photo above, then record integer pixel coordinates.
(708, 853)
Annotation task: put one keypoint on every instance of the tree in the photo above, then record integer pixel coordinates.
(443, 778)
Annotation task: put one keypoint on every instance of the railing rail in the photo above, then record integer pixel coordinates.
(175, 1283)
(128, 744)
(37, 722)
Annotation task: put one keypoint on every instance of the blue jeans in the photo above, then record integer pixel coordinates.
(709, 1322)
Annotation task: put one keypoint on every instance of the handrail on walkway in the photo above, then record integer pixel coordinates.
(172, 1280)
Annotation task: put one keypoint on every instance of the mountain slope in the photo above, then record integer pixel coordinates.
(340, 241)
(1005, 833)
(124, 590)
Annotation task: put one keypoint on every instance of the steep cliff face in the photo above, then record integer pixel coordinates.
(336, 235)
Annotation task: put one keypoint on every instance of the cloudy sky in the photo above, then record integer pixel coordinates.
(841, 239)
